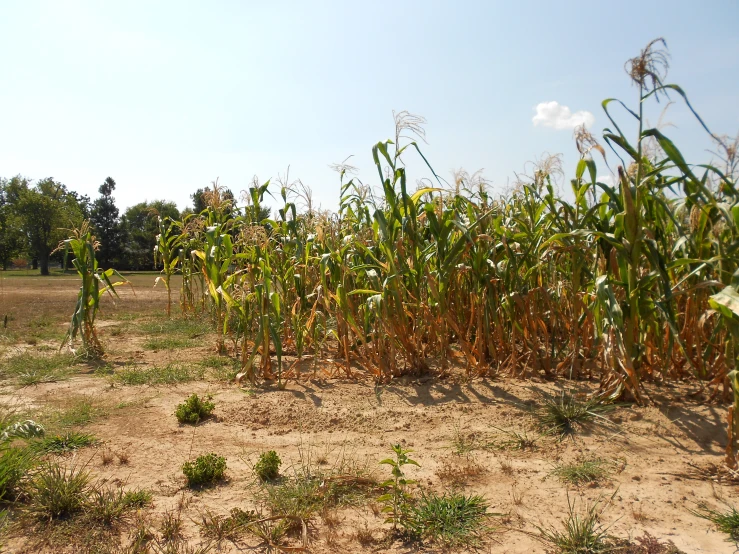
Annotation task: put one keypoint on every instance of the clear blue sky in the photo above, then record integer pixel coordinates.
(165, 96)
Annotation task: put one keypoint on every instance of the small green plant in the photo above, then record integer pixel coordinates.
(194, 409)
(726, 521)
(59, 492)
(450, 519)
(267, 467)
(581, 534)
(58, 444)
(583, 472)
(563, 413)
(396, 502)
(205, 470)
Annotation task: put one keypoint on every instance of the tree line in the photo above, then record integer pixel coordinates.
(36, 216)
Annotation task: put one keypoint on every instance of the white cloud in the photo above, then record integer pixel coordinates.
(609, 180)
(554, 114)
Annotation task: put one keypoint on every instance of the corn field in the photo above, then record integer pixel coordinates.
(627, 283)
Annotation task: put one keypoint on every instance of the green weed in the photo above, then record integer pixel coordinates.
(725, 521)
(205, 470)
(194, 409)
(267, 467)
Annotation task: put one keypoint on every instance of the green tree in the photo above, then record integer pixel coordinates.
(45, 211)
(141, 227)
(12, 240)
(200, 198)
(107, 225)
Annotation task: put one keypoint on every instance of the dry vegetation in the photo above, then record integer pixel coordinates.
(430, 370)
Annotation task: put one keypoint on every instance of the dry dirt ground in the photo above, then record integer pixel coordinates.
(461, 434)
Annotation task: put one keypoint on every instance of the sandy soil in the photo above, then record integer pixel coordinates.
(650, 448)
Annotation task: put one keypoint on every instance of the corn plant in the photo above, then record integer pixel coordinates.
(167, 251)
(95, 283)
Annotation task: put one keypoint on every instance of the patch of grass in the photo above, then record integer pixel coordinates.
(267, 467)
(726, 521)
(450, 519)
(189, 328)
(27, 369)
(77, 412)
(205, 470)
(224, 369)
(562, 414)
(45, 327)
(160, 375)
(310, 491)
(167, 343)
(58, 444)
(583, 472)
(194, 409)
(59, 492)
(581, 533)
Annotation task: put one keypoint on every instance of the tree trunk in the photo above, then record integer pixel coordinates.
(44, 263)
(34, 263)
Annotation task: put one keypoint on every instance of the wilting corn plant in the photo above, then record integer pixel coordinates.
(95, 283)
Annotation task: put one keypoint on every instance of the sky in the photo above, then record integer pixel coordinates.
(168, 96)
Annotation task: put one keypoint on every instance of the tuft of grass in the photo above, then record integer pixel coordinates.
(563, 414)
(170, 526)
(166, 375)
(267, 467)
(27, 369)
(108, 505)
(726, 521)
(219, 528)
(583, 471)
(194, 409)
(59, 492)
(515, 440)
(464, 443)
(58, 444)
(205, 470)
(77, 412)
(15, 463)
(581, 533)
(450, 519)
